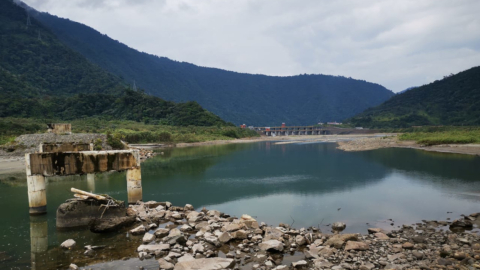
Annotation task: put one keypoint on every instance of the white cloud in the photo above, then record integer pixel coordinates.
(395, 43)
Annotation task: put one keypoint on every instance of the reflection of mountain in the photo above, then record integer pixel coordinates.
(444, 168)
(263, 169)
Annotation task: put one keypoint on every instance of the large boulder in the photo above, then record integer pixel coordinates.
(338, 240)
(272, 234)
(110, 224)
(205, 264)
(80, 213)
(271, 245)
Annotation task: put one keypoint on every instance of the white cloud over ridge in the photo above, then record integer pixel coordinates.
(394, 43)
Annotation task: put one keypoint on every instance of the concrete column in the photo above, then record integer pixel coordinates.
(134, 185)
(37, 193)
(91, 182)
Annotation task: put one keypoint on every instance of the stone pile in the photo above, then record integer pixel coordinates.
(194, 240)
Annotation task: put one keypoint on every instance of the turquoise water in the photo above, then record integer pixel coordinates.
(305, 184)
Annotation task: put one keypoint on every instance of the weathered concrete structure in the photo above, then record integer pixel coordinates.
(41, 165)
(65, 147)
(60, 128)
(309, 130)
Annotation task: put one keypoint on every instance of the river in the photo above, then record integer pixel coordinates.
(304, 184)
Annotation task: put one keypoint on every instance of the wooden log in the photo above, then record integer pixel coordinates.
(81, 196)
(95, 196)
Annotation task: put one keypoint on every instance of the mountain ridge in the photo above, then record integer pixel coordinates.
(254, 99)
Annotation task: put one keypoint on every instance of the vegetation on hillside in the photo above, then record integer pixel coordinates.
(42, 78)
(239, 98)
(442, 135)
(454, 100)
(129, 131)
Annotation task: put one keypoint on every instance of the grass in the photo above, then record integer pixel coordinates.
(130, 131)
(442, 135)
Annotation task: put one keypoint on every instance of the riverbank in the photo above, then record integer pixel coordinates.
(365, 144)
(181, 238)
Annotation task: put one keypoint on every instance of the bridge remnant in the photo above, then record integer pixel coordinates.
(41, 165)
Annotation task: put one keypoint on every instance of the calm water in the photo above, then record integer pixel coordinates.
(310, 184)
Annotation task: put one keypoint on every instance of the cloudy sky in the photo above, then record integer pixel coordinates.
(395, 43)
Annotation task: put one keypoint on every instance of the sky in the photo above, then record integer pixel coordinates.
(397, 44)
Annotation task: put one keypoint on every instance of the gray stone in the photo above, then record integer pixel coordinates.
(355, 245)
(138, 230)
(299, 264)
(153, 248)
(205, 264)
(271, 245)
(338, 226)
(148, 237)
(165, 265)
(68, 244)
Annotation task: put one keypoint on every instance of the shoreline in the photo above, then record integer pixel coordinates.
(181, 238)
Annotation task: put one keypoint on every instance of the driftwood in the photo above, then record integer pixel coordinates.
(88, 194)
(80, 196)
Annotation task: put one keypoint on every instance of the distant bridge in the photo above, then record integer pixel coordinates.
(309, 130)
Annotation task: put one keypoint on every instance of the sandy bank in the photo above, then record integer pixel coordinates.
(365, 144)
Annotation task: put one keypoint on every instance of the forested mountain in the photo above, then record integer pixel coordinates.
(42, 77)
(240, 98)
(454, 100)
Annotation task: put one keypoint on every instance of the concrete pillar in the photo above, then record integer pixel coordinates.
(134, 185)
(91, 182)
(37, 193)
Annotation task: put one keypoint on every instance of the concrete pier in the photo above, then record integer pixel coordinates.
(41, 165)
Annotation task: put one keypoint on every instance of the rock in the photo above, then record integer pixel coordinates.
(338, 240)
(185, 228)
(79, 213)
(322, 263)
(419, 239)
(225, 237)
(299, 264)
(240, 234)
(188, 207)
(272, 234)
(112, 224)
(175, 232)
(355, 245)
(367, 266)
(459, 255)
(148, 237)
(165, 265)
(161, 232)
(172, 240)
(233, 227)
(213, 213)
(205, 264)
(194, 216)
(197, 248)
(153, 248)
(338, 226)
(186, 257)
(201, 225)
(73, 267)
(271, 245)
(138, 230)
(417, 254)
(374, 230)
(397, 256)
(407, 245)
(68, 244)
(213, 240)
(381, 236)
(461, 223)
(300, 240)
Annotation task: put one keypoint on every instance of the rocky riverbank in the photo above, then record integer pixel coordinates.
(209, 239)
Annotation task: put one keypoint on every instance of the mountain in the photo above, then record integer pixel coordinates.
(43, 78)
(405, 90)
(240, 98)
(454, 100)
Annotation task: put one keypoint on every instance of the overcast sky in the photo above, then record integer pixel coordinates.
(396, 43)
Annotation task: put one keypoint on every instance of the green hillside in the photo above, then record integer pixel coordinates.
(454, 100)
(236, 97)
(40, 77)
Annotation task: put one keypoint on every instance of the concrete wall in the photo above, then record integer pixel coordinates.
(65, 147)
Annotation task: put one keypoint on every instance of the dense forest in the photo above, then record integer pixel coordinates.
(239, 98)
(454, 100)
(40, 77)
